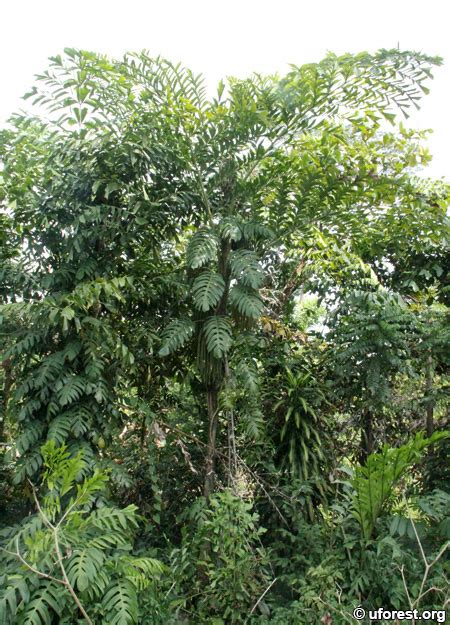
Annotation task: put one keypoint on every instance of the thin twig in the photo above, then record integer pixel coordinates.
(59, 556)
(419, 542)
(402, 571)
(346, 615)
(428, 566)
(18, 555)
(263, 595)
(261, 484)
(38, 506)
(66, 579)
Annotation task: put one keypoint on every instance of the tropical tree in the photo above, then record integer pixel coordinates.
(140, 199)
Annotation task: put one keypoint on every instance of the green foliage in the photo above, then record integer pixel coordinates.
(326, 567)
(175, 335)
(72, 553)
(371, 336)
(308, 312)
(65, 370)
(374, 482)
(302, 435)
(153, 245)
(221, 566)
(246, 268)
(202, 248)
(207, 290)
(246, 301)
(217, 336)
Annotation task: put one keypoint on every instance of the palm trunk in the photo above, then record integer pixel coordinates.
(213, 415)
(6, 364)
(430, 405)
(213, 389)
(366, 437)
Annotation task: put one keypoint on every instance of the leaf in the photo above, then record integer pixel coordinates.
(71, 389)
(373, 483)
(141, 571)
(207, 290)
(110, 188)
(60, 428)
(113, 519)
(68, 313)
(175, 335)
(248, 376)
(8, 597)
(254, 230)
(83, 566)
(217, 333)
(90, 487)
(229, 228)
(202, 248)
(246, 301)
(47, 600)
(30, 436)
(120, 603)
(245, 267)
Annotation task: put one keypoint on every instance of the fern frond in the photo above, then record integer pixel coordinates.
(246, 301)
(83, 567)
(202, 248)
(207, 290)
(120, 603)
(245, 267)
(217, 333)
(175, 335)
(48, 600)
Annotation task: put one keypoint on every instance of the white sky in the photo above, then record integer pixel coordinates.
(230, 37)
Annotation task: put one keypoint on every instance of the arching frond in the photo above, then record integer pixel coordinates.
(120, 603)
(176, 334)
(246, 268)
(246, 301)
(217, 333)
(202, 248)
(231, 229)
(207, 290)
(83, 567)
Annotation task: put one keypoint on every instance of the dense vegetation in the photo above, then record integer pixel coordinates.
(223, 327)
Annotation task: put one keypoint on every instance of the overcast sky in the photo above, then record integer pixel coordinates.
(230, 37)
